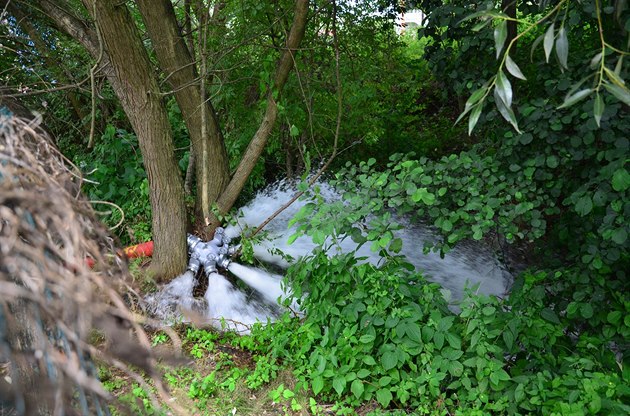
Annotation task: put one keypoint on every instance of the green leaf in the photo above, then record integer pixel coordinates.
(474, 117)
(389, 360)
(562, 47)
(367, 360)
(549, 315)
(474, 99)
(552, 161)
(384, 381)
(584, 205)
(294, 131)
(621, 180)
(586, 310)
(339, 384)
(363, 373)
(456, 368)
(447, 226)
(391, 321)
(414, 333)
(548, 41)
(317, 384)
(596, 61)
(614, 78)
(500, 35)
(513, 68)
(506, 112)
(366, 339)
(614, 317)
(598, 109)
(621, 93)
(357, 388)
(620, 235)
(508, 338)
(574, 98)
(384, 396)
(504, 88)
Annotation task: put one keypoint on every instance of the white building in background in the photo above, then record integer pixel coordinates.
(410, 20)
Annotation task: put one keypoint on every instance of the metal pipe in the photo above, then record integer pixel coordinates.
(210, 255)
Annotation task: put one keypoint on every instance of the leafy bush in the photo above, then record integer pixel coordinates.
(115, 174)
(386, 335)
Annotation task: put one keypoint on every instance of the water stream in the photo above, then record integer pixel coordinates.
(240, 306)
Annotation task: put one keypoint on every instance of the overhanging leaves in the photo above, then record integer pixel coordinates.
(574, 98)
(500, 35)
(513, 68)
(504, 88)
(548, 41)
(562, 47)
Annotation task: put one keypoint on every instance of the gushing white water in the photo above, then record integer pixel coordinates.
(227, 303)
(466, 265)
(175, 297)
(269, 285)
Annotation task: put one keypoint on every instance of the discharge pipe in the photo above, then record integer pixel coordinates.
(210, 255)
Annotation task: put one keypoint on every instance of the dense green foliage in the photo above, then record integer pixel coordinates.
(559, 185)
(545, 169)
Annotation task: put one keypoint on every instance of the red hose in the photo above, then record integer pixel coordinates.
(132, 252)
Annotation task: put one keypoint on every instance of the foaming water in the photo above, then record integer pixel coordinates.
(230, 307)
(226, 305)
(174, 298)
(468, 264)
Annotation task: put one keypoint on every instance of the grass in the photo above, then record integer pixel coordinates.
(214, 377)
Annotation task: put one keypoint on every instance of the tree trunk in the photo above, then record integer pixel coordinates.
(210, 155)
(258, 142)
(142, 102)
(509, 8)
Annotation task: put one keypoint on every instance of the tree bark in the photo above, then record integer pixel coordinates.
(212, 171)
(142, 102)
(258, 142)
(509, 8)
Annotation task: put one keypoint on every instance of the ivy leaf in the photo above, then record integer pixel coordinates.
(504, 88)
(562, 47)
(576, 97)
(548, 41)
(619, 236)
(506, 112)
(621, 93)
(621, 180)
(584, 205)
(500, 35)
(513, 68)
(598, 109)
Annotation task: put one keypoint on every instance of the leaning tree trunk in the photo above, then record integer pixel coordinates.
(259, 141)
(142, 102)
(211, 160)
